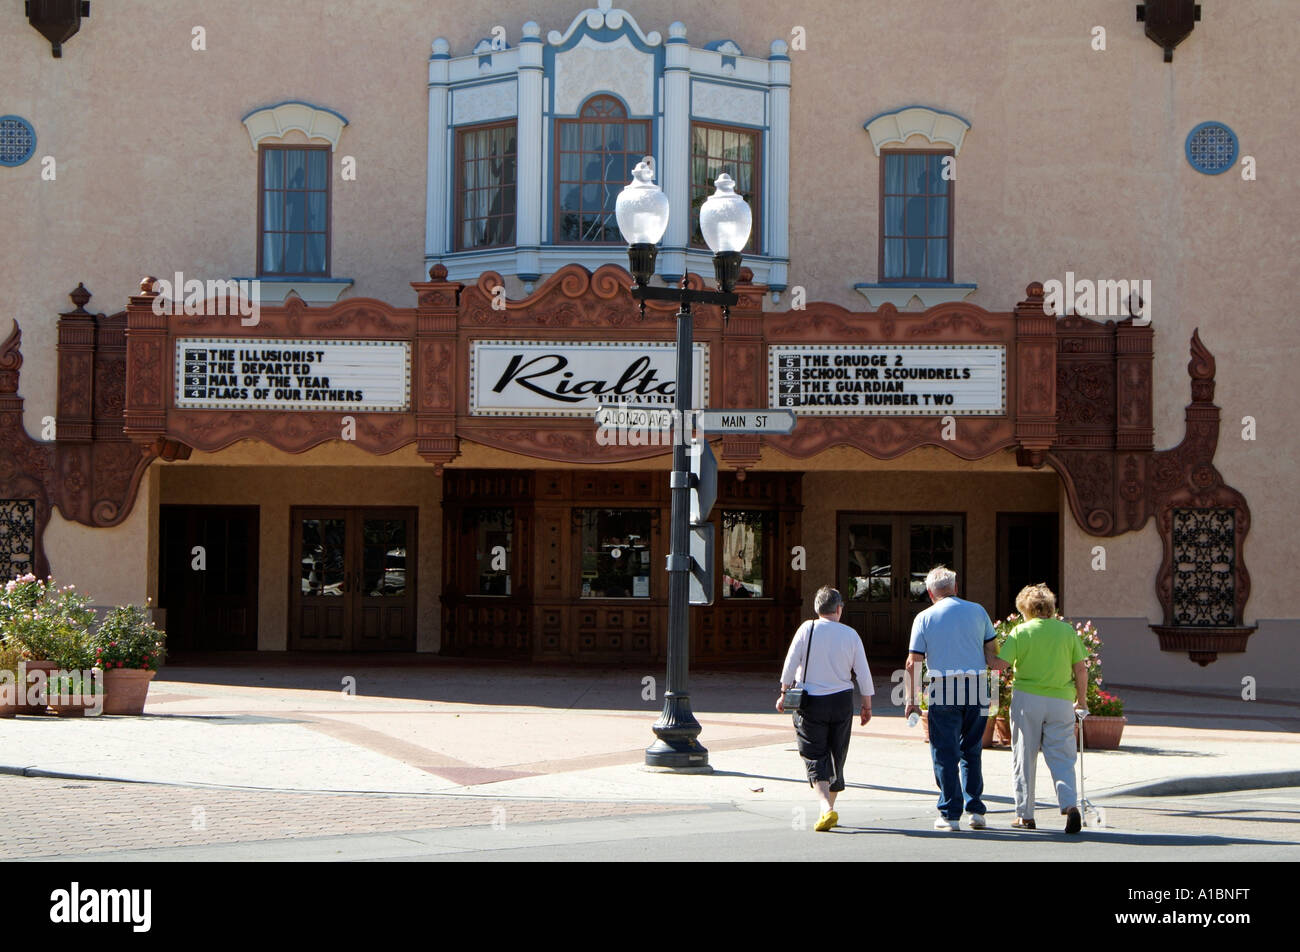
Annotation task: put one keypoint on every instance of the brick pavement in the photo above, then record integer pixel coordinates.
(42, 816)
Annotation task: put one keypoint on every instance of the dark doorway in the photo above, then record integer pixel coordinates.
(352, 580)
(210, 595)
(883, 561)
(1027, 555)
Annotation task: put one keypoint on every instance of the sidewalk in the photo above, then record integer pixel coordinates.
(579, 734)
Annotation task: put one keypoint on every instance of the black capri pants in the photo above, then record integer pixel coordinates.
(823, 729)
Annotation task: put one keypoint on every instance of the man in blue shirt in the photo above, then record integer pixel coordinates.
(955, 639)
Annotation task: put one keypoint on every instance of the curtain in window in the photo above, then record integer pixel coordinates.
(486, 187)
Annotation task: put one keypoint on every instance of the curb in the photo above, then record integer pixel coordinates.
(60, 775)
(1186, 786)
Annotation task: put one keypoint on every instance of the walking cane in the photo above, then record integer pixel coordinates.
(1092, 816)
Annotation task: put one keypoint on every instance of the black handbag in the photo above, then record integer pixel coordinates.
(796, 699)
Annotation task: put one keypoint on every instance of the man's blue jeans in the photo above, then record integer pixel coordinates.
(957, 738)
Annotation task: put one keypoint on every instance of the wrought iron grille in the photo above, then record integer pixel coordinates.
(1205, 560)
(17, 536)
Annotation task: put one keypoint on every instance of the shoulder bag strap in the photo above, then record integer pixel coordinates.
(803, 674)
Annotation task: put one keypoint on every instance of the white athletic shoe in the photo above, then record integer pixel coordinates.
(943, 823)
(977, 821)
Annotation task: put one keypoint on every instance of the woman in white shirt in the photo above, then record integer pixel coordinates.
(826, 657)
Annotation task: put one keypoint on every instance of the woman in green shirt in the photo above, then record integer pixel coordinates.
(1049, 661)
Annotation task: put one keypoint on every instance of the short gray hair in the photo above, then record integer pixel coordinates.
(827, 600)
(941, 580)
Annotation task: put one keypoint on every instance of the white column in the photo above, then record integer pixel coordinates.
(675, 151)
(436, 225)
(777, 213)
(528, 192)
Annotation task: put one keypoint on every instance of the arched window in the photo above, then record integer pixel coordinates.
(595, 156)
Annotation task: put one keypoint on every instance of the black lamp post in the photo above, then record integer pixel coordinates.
(725, 219)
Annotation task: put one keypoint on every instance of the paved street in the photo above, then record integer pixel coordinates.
(456, 761)
(66, 820)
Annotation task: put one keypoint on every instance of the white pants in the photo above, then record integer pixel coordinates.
(1046, 724)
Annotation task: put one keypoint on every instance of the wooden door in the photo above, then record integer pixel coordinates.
(208, 577)
(352, 579)
(1027, 555)
(319, 575)
(866, 576)
(928, 540)
(384, 600)
(882, 563)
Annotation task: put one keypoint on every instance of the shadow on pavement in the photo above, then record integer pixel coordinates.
(1153, 751)
(1109, 837)
(221, 720)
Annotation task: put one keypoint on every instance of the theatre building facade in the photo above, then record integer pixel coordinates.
(1029, 355)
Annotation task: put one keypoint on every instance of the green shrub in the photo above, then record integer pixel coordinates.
(48, 623)
(127, 638)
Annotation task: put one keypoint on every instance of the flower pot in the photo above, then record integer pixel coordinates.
(1102, 733)
(75, 706)
(925, 726)
(1002, 732)
(997, 733)
(76, 702)
(125, 690)
(40, 706)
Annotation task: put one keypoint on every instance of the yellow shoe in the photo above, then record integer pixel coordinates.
(827, 821)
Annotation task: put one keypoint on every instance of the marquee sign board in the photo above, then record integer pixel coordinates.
(888, 379)
(242, 373)
(574, 378)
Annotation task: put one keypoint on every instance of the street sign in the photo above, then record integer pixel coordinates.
(745, 421)
(702, 564)
(624, 417)
(704, 480)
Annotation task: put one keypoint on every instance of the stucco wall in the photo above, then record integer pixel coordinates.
(115, 566)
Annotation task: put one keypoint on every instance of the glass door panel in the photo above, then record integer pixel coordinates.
(384, 602)
(869, 558)
(931, 541)
(866, 560)
(321, 606)
(324, 556)
(383, 558)
(929, 544)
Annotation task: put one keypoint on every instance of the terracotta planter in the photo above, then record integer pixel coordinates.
(125, 690)
(1102, 733)
(997, 733)
(925, 726)
(1002, 732)
(40, 706)
(74, 704)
